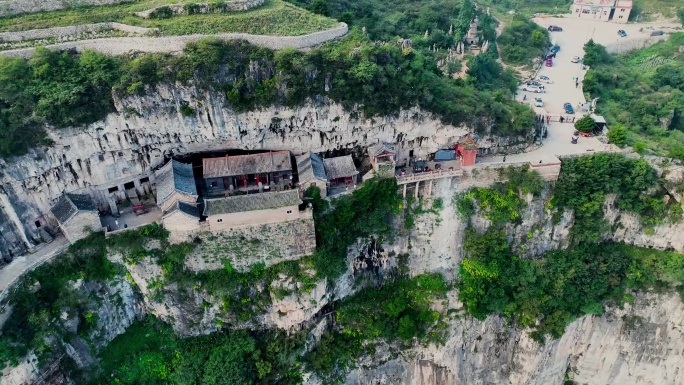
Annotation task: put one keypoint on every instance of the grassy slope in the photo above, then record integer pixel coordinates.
(275, 17)
(634, 100)
(667, 8)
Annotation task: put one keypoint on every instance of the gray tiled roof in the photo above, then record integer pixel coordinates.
(252, 202)
(340, 167)
(310, 167)
(174, 176)
(69, 205)
(187, 208)
(247, 164)
(379, 148)
(443, 155)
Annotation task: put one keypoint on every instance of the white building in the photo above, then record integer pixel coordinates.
(593, 9)
(622, 10)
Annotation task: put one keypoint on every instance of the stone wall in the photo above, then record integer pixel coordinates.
(172, 44)
(247, 245)
(183, 9)
(14, 7)
(57, 32)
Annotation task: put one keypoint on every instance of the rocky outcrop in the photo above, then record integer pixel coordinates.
(147, 130)
(638, 345)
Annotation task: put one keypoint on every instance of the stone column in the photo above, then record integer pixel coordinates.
(405, 184)
(430, 188)
(417, 188)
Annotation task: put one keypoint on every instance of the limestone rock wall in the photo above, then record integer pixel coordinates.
(641, 344)
(146, 130)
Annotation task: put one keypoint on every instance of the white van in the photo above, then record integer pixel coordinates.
(535, 89)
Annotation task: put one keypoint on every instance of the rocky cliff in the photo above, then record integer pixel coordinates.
(146, 130)
(638, 344)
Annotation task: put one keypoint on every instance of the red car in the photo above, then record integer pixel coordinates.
(549, 63)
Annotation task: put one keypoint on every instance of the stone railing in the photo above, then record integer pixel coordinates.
(185, 9)
(170, 44)
(58, 32)
(14, 7)
(428, 176)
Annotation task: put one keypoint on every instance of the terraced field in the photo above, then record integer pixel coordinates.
(275, 17)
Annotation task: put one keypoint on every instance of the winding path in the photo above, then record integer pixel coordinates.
(171, 44)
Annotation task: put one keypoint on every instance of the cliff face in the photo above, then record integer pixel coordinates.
(640, 344)
(146, 130)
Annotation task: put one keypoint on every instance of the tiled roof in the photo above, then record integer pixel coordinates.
(443, 155)
(174, 176)
(189, 209)
(340, 167)
(252, 202)
(69, 205)
(247, 164)
(379, 148)
(310, 167)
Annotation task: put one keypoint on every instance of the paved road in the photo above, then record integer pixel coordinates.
(19, 266)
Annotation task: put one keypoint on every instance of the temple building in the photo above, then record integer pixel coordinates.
(248, 173)
(77, 216)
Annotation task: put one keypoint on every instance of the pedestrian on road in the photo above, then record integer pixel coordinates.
(576, 84)
(562, 119)
(504, 159)
(116, 222)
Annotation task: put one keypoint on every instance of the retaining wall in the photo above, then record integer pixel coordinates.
(634, 44)
(123, 45)
(56, 32)
(14, 7)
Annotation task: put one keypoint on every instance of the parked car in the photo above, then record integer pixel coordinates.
(555, 28)
(549, 63)
(568, 108)
(535, 83)
(545, 79)
(534, 89)
(538, 102)
(550, 55)
(622, 33)
(555, 48)
(576, 59)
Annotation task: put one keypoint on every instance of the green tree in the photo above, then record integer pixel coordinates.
(585, 124)
(320, 7)
(617, 135)
(595, 54)
(680, 14)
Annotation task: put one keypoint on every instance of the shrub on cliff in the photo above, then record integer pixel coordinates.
(585, 124)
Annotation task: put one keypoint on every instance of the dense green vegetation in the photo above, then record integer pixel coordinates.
(407, 19)
(366, 212)
(44, 294)
(397, 311)
(547, 294)
(522, 40)
(585, 181)
(642, 91)
(275, 17)
(65, 89)
(150, 352)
